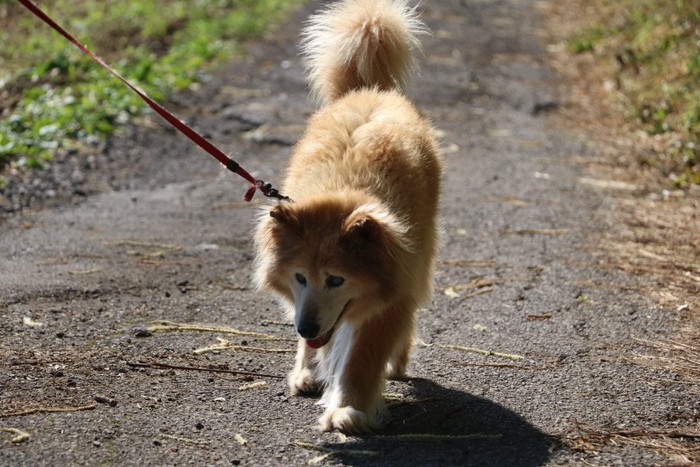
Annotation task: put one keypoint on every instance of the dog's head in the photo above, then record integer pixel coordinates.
(330, 259)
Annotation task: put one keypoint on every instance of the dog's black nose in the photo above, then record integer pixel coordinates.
(308, 330)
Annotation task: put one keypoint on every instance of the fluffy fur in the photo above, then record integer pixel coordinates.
(352, 256)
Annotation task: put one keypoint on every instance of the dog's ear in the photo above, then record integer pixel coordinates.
(285, 217)
(361, 231)
(364, 229)
(281, 214)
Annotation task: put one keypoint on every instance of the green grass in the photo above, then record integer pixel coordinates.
(53, 97)
(656, 44)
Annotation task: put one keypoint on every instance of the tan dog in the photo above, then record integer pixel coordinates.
(352, 256)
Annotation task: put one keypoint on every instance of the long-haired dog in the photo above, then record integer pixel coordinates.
(352, 256)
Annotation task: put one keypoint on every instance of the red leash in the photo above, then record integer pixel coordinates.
(202, 142)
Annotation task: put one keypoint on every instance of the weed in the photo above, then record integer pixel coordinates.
(656, 44)
(51, 95)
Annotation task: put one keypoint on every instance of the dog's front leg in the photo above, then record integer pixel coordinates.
(353, 399)
(303, 378)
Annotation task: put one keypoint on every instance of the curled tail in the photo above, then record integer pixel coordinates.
(354, 44)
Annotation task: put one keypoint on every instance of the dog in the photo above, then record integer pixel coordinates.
(352, 257)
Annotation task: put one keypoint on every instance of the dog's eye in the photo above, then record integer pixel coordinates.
(334, 281)
(300, 278)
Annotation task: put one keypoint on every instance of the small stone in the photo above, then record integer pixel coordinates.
(106, 400)
(143, 333)
(199, 425)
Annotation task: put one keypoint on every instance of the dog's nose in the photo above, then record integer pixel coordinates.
(308, 330)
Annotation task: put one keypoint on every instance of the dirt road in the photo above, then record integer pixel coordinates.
(527, 355)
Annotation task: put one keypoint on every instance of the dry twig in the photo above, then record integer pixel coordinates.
(469, 262)
(20, 436)
(534, 316)
(164, 326)
(140, 244)
(228, 345)
(479, 292)
(437, 437)
(507, 365)
(539, 232)
(483, 285)
(84, 272)
(160, 366)
(673, 441)
(482, 351)
(683, 358)
(330, 452)
(257, 384)
(47, 410)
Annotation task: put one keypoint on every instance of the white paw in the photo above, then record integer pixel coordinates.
(396, 371)
(346, 419)
(303, 381)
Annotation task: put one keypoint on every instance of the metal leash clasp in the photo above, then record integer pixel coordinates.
(267, 190)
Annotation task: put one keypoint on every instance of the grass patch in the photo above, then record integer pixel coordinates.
(53, 97)
(656, 47)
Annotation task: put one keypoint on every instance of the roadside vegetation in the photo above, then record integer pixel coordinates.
(633, 71)
(54, 98)
(651, 50)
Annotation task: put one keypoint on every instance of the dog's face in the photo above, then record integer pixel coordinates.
(329, 259)
(321, 297)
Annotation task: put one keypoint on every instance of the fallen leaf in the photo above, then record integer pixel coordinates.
(27, 321)
(241, 440)
(450, 292)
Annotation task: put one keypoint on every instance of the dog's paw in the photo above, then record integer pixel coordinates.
(303, 382)
(346, 419)
(396, 371)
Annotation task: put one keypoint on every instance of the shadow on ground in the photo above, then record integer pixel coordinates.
(455, 428)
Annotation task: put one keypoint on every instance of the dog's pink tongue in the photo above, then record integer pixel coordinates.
(316, 343)
(320, 341)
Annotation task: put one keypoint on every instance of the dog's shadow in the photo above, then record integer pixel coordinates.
(451, 428)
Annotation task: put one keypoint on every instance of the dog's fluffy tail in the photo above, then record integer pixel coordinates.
(354, 44)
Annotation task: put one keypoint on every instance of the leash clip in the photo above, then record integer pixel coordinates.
(267, 190)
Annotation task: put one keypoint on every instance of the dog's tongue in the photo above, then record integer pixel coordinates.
(319, 342)
(316, 343)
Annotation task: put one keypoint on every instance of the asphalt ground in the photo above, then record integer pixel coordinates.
(528, 354)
